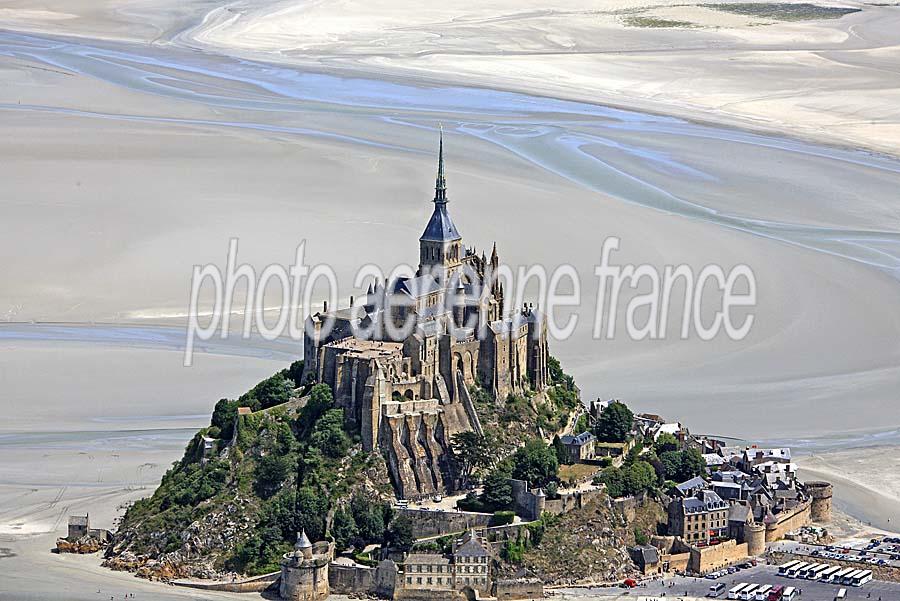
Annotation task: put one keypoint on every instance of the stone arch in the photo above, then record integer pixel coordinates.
(468, 369)
(468, 594)
(410, 394)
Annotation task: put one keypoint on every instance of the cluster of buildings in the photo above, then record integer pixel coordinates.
(310, 573)
(402, 360)
(749, 494)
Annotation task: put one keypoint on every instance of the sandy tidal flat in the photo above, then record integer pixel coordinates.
(128, 157)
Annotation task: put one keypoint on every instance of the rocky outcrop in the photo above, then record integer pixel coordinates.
(202, 543)
(586, 545)
(84, 545)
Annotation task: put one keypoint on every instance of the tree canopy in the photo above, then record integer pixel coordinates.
(614, 423)
(473, 452)
(536, 462)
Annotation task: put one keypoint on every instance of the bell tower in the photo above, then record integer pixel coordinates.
(440, 243)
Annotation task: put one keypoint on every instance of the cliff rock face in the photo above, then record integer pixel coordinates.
(587, 545)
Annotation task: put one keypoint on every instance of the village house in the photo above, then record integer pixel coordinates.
(700, 518)
(579, 448)
(467, 567)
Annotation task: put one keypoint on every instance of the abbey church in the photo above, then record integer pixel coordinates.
(409, 393)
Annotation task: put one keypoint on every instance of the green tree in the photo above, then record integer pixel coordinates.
(268, 393)
(369, 517)
(583, 424)
(562, 457)
(343, 528)
(536, 462)
(320, 400)
(692, 463)
(473, 452)
(328, 434)
(497, 491)
(223, 417)
(294, 372)
(312, 507)
(682, 465)
(665, 442)
(614, 423)
(629, 480)
(271, 472)
(399, 535)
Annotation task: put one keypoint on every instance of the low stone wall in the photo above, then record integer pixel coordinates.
(569, 501)
(889, 573)
(257, 584)
(521, 588)
(706, 559)
(438, 523)
(677, 562)
(422, 594)
(347, 579)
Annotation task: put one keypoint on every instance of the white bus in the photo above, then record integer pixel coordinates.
(838, 577)
(783, 568)
(794, 569)
(735, 592)
(848, 577)
(749, 592)
(806, 570)
(825, 575)
(762, 593)
(789, 594)
(861, 577)
(816, 572)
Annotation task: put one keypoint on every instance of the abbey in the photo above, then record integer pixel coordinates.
(410, 393)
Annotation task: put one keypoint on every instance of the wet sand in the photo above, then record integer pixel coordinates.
(128, 158)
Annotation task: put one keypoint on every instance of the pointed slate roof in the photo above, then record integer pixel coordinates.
(440, 227)
(303, 541)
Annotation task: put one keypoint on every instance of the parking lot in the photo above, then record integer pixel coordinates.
(882, 551)
(687, 587)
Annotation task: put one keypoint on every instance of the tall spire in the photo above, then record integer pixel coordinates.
(440, 184)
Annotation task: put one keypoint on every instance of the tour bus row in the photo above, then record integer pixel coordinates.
(756, 592)
(825, 573)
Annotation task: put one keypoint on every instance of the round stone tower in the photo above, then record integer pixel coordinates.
(820, 492)
(755, 536)
(540, 503)
(304, 572)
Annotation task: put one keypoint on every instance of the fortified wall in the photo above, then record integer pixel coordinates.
(789, 520)
(706, 559)
(437, 523)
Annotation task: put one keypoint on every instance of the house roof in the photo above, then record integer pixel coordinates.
(417, 287)
(706, 500)
(78, 520)
(692, 484)
(471, 546)
(739, 513)
(648, 553)
(426, 559)
(580, 440)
